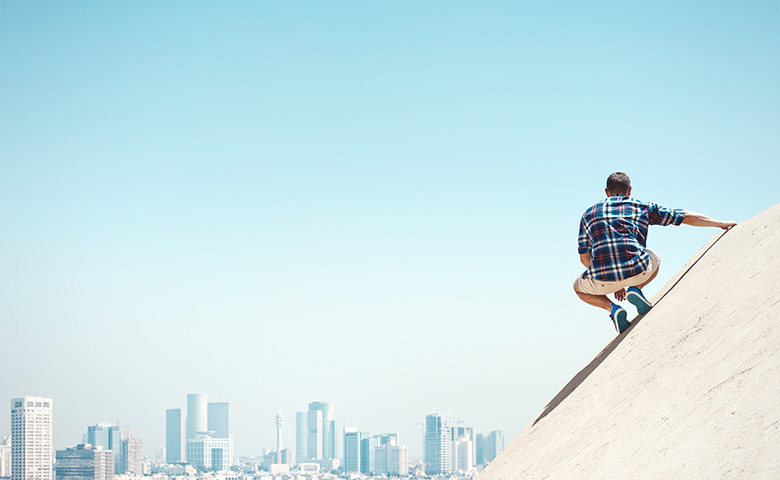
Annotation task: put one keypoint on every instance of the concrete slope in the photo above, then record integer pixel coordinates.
(691, 390)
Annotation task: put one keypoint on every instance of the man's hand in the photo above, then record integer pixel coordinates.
(620, 295)
(700, 220)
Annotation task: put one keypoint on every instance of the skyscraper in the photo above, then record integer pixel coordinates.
(314, 435)
(107, 436)
(323, 433)
(351, 450)
(84, 462)
(197, 414)
(495, 443)
(219, 419)
(32, 451)
(174, 435)
(301, 436)
(438, 444)
(367, 446)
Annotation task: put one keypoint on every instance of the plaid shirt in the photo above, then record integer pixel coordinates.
(615, 233)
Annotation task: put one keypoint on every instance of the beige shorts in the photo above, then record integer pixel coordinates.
(596, 287)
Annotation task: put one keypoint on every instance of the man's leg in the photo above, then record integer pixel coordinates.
(596, 300)
(617, 313)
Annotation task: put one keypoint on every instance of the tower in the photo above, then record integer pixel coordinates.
(438, 444)
(219, 419)
(32, 450)
(197, 414)
(351, 450)
(279, 421)
(174, 435)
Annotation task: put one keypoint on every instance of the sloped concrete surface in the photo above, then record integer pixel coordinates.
(691, 390)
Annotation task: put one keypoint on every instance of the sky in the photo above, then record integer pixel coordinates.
(368, 203)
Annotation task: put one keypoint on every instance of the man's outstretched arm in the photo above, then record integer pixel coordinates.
(700, 220)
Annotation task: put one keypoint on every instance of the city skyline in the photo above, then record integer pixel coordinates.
(370, 204)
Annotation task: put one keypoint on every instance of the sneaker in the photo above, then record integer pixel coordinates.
(642, 304)
(619, 318)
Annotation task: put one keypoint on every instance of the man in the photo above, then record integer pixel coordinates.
(612, 245)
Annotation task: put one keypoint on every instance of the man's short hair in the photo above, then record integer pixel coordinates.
(618, 183)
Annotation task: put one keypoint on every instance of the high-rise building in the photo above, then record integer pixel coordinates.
(219, 419)
(398, 460)
(325, 432)
(495, 443)
(85, 462)
(302, 436)
(314, 436)
(438, 444)
(5, 456)
(463, 449)
(132, 454)
(197, 415)
(107, 437)
(367, 446)
(380, 459)
(174, 435)
(351, 450)
(279, 423)
(32, 451)
(479, 448)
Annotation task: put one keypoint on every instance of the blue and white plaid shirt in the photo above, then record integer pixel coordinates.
(614, 232)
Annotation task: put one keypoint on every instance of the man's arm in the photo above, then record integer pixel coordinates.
(701, 220)
(585, 259)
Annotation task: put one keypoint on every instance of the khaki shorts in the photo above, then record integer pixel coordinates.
(596, 287)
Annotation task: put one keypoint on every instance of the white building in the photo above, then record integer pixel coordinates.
(397, 460)
(32, 448)
(5, 457)
(438, 444)
(209, 453)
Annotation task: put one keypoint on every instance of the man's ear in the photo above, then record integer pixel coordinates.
(629, 192)
(606, 190)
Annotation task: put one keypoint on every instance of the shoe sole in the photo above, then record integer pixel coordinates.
(621, 321)
(641, 304)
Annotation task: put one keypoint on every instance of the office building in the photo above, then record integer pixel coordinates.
(5, 457)
(301, 436)
(85, 462)
(367, 446)
(32, 451)
(107, 437)
(463, 449)
(351, 450)
(494, 445)
(397, 460)
(322, 436)
(438, 444)
(197, 415)
(218, 419)
(132, 455)
(174, 435)
(210, 454)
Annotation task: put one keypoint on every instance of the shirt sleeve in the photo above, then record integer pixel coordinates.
(665, 216)
(583, 240)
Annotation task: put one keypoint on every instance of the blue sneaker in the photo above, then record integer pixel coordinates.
(619, 317)
(635, 296)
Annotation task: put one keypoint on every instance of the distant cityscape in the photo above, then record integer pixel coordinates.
(199, 445)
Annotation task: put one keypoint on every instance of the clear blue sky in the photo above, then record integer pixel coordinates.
(363, 202)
